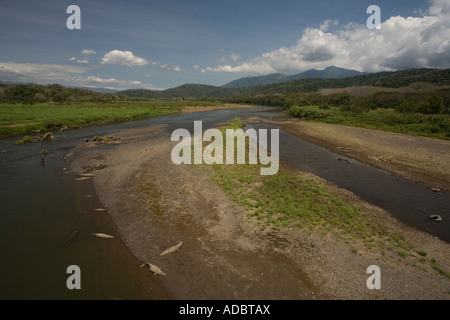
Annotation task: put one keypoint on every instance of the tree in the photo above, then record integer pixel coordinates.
(39, 97)
(433, 105)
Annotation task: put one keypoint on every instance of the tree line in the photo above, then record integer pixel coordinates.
(29, 94)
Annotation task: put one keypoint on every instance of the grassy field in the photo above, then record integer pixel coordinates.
(19, 119)
(293, 199)
(418, 124)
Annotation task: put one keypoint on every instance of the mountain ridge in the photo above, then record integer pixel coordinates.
(331, 72)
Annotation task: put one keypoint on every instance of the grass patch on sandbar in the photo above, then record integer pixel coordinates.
(291, 199)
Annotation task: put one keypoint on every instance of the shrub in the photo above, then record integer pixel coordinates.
(406, 106)
(433, 105)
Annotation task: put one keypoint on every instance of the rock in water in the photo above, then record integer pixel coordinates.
(47, 137)
(436, 218)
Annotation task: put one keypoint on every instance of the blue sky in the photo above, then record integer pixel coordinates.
(163, 44)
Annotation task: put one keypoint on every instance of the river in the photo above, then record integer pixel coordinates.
(42, 206)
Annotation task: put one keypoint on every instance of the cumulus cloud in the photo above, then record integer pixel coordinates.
(86, 51)
(124, 58)
(410, 42)
(195, 67)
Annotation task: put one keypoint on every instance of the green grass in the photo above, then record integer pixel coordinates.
(289, 199)
(18, 119)
(436, 125)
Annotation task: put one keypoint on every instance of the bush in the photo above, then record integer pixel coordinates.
(434, 105)
(406, 106)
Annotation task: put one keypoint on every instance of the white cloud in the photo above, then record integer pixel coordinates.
(195, 67)
(69, 75)
(410, 42)
(124, 58)
(170, 67)
(111, 81)
(234, 57)
(87, 51)
(38, 72)
(325, 25)
(85, 61)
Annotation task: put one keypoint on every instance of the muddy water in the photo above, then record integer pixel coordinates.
(41, 206)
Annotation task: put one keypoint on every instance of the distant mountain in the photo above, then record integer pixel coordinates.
(101, 90)
(331, 72)
(327, 73)
(189, 90)
(395, 79)
(255, 81)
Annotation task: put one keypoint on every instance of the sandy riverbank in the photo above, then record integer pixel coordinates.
(155, 204)
(419, 159)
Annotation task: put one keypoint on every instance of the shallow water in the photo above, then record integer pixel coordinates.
(41, 206)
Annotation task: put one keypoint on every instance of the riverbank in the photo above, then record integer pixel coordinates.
(225, 255)
(47, 117)
(420, 159)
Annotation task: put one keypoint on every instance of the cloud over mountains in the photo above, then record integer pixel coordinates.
(411, 42)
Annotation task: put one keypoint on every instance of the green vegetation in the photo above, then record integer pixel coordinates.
(25, 140)
(244, 92)
(294, 200)
(29, 94)
(414, 101)
(420, 109)
(413, 123)
(22, 119)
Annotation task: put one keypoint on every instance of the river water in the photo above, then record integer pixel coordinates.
(42, 206)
